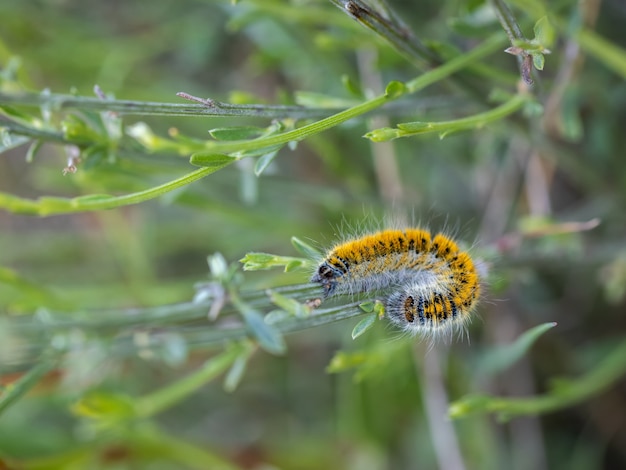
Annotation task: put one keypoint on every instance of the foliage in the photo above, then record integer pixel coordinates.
(115, 353)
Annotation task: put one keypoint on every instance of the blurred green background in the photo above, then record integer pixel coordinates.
(505, 189)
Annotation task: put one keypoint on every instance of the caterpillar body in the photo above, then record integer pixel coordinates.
(429, 284)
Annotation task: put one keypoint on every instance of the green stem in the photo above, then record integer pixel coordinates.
(508, 21)
(445, 127)
(168, 396)
(568, 393)
(45, 206)
(14, 391)
(489, 46)
(33, 132)
(207, 108)
(611, 55)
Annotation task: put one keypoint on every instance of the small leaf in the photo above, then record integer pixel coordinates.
(379, 309)
(383, 134)
(105, 406)
(351, 86)
(33, 148)
(276, 316)
(306, 249)
(395, 89)
(544, 32)
(469, 405)
(269, 338)
(364, 325)
(262, 261)
(344, 361)
(263, 162)
(528, 47)
(237, 370)
(77, 130)
(237, 133)
(499, 359)
(415, 127)
(539, 61)
(295, 265)
(218, 266)
(211, 160)
(289, 305)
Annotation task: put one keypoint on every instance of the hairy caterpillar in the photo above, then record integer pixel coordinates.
(429, 284)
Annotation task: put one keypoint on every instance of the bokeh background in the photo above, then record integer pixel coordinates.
(505, 190)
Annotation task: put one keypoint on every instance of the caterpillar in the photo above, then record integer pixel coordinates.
(429, 283)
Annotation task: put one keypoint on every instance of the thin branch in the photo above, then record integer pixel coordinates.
(400, 37)
(207, 107)
(514, 32)
(15, 390)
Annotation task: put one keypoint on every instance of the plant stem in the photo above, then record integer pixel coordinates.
(570, 392)
(45, 206)
(508, 21)
(396, 34)
(14, 391)
(164, 398)
(454, 65)
(147, 108)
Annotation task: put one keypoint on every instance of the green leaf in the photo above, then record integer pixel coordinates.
(568, 392)
(237, 133)
(105, 406)
(211, 160)
(538, 61)
(295, 265)
(351, 86)
(33, 148)
(343, 361)
(76, 129)
(21, 117)
(395, 89)
(444, 128)
(262, 261)
(291, 306)
(501, 358)
(269, 338)
(529, 47)
(545, 33)
(142, 133)
(306, 249)
(9, 141)
(364, 325)
(263, 162)
(383, 134)
(238, 369)
(276, 316)
(469, 405)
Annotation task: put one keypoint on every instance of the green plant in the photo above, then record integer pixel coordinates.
(100, 299)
